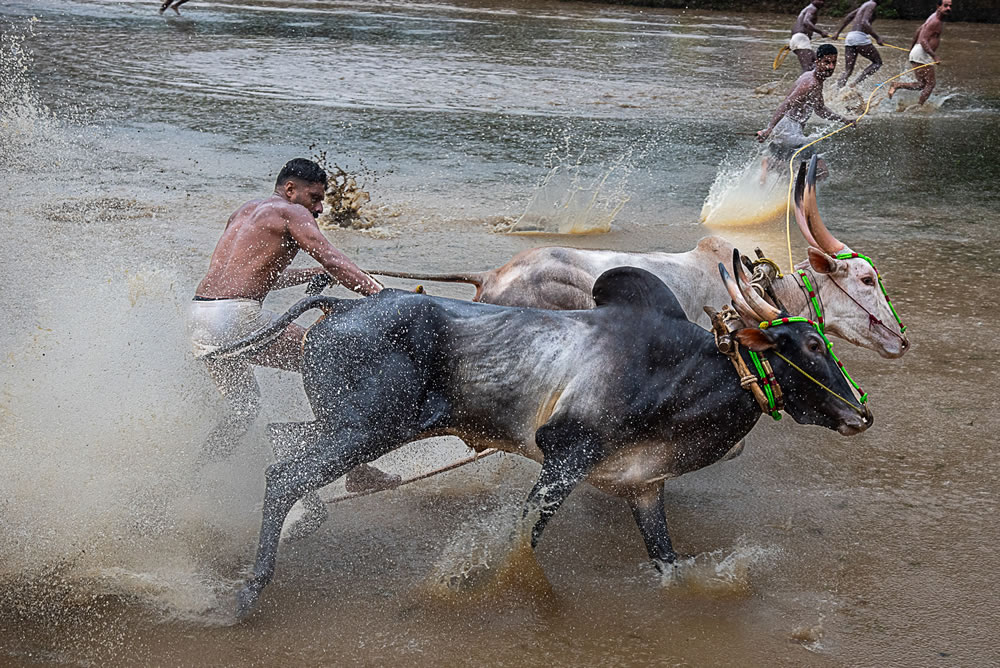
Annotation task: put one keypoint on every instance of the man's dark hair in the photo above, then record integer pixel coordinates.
(826, 50)
(301, 169)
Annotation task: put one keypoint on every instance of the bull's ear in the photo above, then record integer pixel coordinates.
(821, 262)
(757, 340)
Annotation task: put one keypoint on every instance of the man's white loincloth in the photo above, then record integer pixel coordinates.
(857, 38)
(788, 136)
(919, 55)
(799, 40)
(219, 322)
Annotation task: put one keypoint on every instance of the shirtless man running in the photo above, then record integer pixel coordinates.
(859, 42)
(802, 32)
(260, 240)
(787, 126)
(924, 52)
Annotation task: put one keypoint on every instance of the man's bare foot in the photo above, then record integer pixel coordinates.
(176, 11)
(892, 90)
(365, 478)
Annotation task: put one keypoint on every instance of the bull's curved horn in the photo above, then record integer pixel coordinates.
(807, 212)
(739, 303)
(761, 307)
(739, 270)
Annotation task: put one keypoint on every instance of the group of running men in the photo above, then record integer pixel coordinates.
(787, 126)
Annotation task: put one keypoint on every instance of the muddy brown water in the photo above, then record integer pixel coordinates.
(128, 138)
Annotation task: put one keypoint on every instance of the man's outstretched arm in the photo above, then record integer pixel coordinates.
(308, 236)
(824, 111)
(808, 22)
(291, 277)
(843, 24)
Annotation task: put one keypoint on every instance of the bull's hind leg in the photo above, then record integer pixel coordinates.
(647, 509)
(289, 440)
(570, 451)
(326, 458)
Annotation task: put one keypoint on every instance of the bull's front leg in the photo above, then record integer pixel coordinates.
(570, 452)
(647, 509)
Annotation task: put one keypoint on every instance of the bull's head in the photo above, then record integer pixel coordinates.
(847, 282)
(815, 387)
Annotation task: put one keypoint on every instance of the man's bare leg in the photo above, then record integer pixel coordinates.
(925, 83)
(850, 57)
(871, 53)
(177, 3)
(286, 353)
(807, 59)
(236, 383)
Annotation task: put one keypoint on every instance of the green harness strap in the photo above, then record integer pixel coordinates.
(758, 361)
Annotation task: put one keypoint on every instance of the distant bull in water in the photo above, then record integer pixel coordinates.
(626, 395)
(850, 300)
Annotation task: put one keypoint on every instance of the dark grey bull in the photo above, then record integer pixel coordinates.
(626, 395)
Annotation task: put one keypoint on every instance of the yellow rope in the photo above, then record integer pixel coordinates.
(791, 172)
(797, 368)
(780, 58)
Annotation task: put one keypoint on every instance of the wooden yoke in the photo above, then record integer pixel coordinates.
(724, 323)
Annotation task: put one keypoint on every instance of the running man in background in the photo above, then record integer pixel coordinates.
(802, 32)
(859, 42)
(924, 52)
(787, 129)
(251, 259)
(172, 4)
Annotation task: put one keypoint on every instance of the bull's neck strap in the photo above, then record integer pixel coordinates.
(812, 299)
(862, 395)
(769, 398)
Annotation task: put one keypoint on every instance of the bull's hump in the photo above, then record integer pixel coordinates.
(632, 286)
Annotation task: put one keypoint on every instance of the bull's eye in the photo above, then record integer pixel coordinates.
(869, 281)
(814, 346)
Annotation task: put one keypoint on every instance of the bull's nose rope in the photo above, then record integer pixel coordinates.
(862, 399)
(812, 298)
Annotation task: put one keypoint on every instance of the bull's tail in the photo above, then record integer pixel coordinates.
(473, 278)
(255, 342)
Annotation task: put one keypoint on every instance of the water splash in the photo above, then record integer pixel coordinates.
(719, 573)
(490, 558)
(102, 422)
(751, 193)
(25, 123)
(571, 201)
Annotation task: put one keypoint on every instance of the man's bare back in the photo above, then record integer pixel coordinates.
(263, 237)
(864, 17)
(805, 23)
(929, 34)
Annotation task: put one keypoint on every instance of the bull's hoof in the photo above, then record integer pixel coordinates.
(668, 570)
(365, 478)
(246, 601)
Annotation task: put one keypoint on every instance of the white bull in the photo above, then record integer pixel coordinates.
(849, 297)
